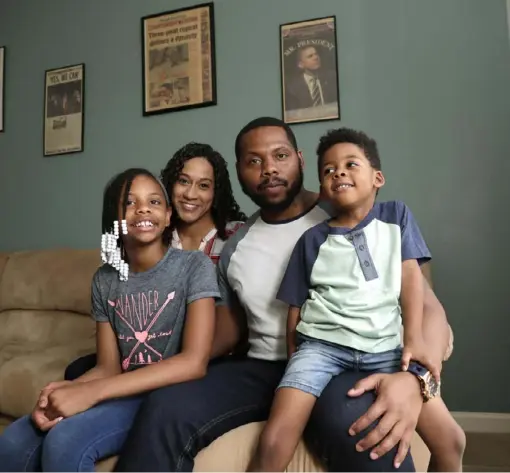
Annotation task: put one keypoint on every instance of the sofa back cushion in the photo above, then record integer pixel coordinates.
(49, 280)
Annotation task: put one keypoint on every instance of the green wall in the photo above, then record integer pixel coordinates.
(429, 79)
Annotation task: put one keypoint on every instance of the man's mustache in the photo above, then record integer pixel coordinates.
(268, 182)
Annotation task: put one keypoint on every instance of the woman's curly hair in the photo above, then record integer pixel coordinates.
(224, 207)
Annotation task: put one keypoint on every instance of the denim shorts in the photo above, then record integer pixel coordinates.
(314, 363)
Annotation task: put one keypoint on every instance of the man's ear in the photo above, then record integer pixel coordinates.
(301, 158)
(379, 180)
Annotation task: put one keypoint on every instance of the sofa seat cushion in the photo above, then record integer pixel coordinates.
(25, 368)
(232, 452)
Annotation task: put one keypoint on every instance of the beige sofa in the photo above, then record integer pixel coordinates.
(44, 308)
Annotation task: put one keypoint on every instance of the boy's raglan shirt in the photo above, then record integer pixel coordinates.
(347, 282)
(148, 311)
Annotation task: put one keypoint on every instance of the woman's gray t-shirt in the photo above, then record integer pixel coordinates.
(147, 312)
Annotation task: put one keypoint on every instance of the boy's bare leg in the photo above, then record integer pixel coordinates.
(289, 415)
(443, 436)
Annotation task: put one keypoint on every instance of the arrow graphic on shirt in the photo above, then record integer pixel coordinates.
(141, 337)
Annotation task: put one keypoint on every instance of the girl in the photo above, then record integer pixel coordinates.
(204, 211)
(154, 308)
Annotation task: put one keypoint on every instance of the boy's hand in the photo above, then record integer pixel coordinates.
(417, 351)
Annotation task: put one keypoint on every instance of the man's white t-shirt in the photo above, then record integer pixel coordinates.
(251, 268)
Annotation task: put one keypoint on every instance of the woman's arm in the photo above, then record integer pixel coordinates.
(191, 363)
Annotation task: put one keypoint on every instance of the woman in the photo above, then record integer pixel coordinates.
(205, 213)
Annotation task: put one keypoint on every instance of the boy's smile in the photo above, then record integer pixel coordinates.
(347, 178)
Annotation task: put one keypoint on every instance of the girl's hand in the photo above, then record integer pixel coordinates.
(71, 399)
(41, 419)
(43, 396)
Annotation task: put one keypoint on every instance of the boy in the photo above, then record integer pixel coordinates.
(350, 283)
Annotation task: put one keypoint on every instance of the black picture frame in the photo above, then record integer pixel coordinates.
(175, 76)
(3, 51)
(310, 89)
(64, 110)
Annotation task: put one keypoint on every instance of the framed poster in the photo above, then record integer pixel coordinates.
(179, 60)
(64, 110)
(2, 87)
(309, 71)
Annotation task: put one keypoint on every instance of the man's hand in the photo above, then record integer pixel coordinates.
(72, 399)
(416, 350)
(397, 408)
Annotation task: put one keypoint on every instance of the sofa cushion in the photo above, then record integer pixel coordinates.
(3, 261)
(25, 368)
(232, 452)
(49, 279)
(45, 327)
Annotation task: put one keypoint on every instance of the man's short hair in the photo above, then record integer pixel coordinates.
(263, 122)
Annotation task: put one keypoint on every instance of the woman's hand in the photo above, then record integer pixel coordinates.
(396, 408)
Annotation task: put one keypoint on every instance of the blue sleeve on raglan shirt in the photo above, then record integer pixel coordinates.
(295, 285)
(413, 244)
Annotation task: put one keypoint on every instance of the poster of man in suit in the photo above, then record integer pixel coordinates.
(309, 71)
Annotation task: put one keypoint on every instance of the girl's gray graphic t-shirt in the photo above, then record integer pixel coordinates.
(147, 312)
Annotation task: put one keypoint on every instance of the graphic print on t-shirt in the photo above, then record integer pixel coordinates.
(138, 313)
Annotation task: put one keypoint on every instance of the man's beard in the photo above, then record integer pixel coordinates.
(291, 193)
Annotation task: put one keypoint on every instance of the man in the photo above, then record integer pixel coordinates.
(311, 86)
(176, 422)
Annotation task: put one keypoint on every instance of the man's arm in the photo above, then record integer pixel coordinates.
(230, 330)
(293, 318)
(436, 330)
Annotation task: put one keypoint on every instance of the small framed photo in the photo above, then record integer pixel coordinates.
(2, 87)
(309, 71)
(179, 60)
(64, 110)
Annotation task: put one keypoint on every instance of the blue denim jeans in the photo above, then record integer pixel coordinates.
(176, 422)
(74, 444)
(315, 363)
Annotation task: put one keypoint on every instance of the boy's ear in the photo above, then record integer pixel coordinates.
(379, 180)
(321, 191)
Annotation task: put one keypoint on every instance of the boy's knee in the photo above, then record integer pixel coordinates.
(457, 440)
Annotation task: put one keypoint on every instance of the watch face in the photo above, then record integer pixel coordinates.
(434, 386)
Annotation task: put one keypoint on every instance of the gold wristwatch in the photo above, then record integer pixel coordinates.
(430, 388)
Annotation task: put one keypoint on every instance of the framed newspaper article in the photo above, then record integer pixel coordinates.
(309, 71)
(179, 60)
(2, 86)
(63, 110)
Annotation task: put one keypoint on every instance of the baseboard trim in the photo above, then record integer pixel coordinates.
(483, 422)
